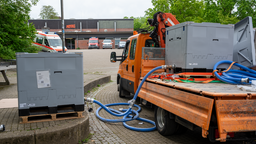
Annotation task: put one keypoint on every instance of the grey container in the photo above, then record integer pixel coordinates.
(244, 46)
(198, 46)
(49, 81)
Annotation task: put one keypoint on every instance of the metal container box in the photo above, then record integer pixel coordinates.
(49, 81)
(198, 46)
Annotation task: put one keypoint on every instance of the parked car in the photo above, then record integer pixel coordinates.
(107, 43)
(121, 44)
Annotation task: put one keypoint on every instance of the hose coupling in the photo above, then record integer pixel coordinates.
(168, 66)
(131, 103)
(89, 100)
(245, 80)
(2, 128)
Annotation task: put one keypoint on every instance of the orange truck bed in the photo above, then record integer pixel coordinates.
(194, 102)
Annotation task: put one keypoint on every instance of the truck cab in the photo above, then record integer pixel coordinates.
(48, 42)
(93, 43)
(130, 68)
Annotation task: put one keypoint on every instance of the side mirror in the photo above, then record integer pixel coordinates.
(113, 57)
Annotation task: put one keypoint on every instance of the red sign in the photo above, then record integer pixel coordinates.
(71, 26)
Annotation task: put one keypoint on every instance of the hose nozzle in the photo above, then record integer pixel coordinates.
(168, 66)
(2, 128)
(245, 80)
(131, 102)
(89, 100)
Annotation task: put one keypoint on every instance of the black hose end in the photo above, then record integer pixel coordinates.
(90, 109)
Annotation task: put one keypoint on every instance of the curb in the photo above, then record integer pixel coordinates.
(71, 132)
(92, 84)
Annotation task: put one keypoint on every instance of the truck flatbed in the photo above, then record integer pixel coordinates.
(197, 104)
(209, 89)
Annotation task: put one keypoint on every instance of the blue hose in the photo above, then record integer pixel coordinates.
(128, 114)
(235, 76)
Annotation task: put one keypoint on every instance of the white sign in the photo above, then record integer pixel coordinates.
(43, 79)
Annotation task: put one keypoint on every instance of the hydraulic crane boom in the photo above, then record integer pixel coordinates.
(161, 21)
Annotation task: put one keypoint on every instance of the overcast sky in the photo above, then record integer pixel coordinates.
(97, 9)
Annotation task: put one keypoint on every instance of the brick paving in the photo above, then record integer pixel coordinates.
(117, 133)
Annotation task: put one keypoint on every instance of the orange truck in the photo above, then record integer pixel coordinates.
(222, 111)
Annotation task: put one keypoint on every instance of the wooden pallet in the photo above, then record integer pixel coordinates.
(51, 117)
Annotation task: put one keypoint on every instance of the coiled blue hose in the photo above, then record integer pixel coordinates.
(129, 114)
(235, 76)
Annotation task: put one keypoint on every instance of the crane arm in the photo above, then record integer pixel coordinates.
(161, 21)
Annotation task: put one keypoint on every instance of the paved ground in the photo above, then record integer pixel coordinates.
(117, 133)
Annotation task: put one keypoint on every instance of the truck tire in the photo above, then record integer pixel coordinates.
(181, 130)
(164, 125)
(121, 91)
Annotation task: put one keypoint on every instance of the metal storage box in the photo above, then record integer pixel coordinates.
(198, 46)
(49, 81)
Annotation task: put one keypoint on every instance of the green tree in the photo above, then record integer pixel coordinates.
(16, 33)
(138, 22)
(219, 11)
(48, 12)
(246, 8)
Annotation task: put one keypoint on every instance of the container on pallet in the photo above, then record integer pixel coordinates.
(197, 47)
(49, 83)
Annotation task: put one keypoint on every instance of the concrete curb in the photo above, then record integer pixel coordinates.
(92, 84)
(73, 131)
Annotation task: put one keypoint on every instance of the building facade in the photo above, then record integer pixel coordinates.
(78, 31)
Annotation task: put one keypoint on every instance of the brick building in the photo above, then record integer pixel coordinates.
(78, 31)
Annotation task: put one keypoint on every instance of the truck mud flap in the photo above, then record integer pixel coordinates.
(235, 116)
(189, 106)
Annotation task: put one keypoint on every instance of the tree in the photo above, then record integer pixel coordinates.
(16, 33)
(217, 11)
(246, 8)
(138, 22)
(48, 12)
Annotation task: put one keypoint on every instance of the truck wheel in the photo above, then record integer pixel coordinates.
(121, 91)
(180, 129)
(165, 126)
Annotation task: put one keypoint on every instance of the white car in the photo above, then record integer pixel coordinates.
(107, 44)
(49, 42)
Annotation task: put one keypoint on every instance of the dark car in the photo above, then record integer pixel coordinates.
(121, 44)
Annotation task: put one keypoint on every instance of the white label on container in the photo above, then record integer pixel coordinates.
(23, 105)
(192, 63)
(43, 79)
(31, 105)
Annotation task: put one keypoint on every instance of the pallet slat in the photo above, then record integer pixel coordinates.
(51, 117)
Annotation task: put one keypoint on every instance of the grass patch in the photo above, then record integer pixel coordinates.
(85, 140)
(95, 89)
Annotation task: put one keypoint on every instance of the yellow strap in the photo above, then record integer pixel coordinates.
(213, 73)
(178, 80)
(207, 81)
(229, 67)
